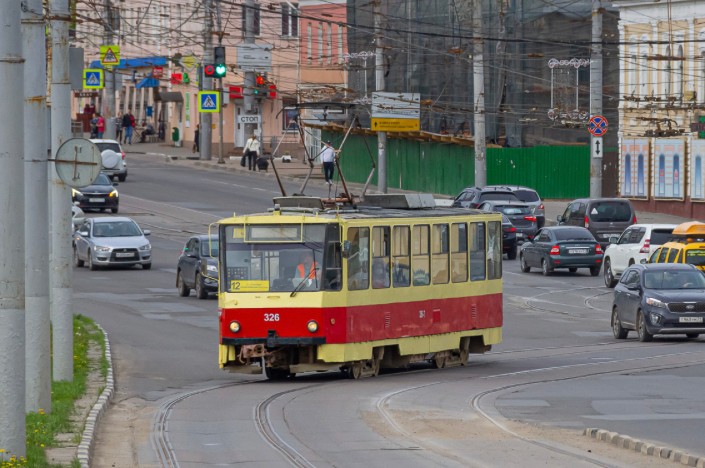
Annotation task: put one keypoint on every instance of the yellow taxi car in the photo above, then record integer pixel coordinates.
(686, 246)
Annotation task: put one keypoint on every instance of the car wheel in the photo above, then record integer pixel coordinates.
(77, 261)
(610, 282)
(618, 330)
(91, 266)
(181, 286)
(114, 210)
(512, 254)
(201, 292)
(644, 335)
(572, 269)
(545, 269)
(692, 336)
(594, 271)
(524, 266)
(146, 266)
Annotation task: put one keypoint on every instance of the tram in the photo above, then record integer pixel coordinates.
(382, 284)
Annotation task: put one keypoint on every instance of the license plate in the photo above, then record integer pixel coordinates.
(96, 200)
(577, 251)
(607, 236)
(520, 235)
(124, 254)
(690, 319)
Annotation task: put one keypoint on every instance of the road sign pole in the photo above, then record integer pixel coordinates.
(596, 92)
(207, 119)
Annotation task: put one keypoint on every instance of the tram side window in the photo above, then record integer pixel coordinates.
(420, 258)
(459, 252)
(359, 258)
(333, 267)
(494, 250)
(401, 259)
(477, 251)
(439, 253)
(380, 257)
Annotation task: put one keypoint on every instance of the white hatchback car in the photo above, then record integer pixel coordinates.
(113, 157)
(637, 242)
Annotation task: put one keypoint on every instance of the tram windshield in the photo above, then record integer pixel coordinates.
(281, 258)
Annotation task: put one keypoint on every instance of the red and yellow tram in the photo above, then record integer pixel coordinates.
(398, 280)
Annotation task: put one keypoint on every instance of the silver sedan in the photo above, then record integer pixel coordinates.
(111, 241)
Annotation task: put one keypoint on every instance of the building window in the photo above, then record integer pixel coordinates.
(255, 22)
(329, 43)
(679, 75)
(320, 42)
(290, 121)
(290, 19)
(340, 46)
(668, 70)
(308, 43)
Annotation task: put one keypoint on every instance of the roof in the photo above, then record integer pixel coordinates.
(691, 228)
(108, 219)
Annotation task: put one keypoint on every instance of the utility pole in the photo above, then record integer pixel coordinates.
(379, 86)
(221, 159)
(36, 210)
(596, 95)
(248, 98)
(478, 84)
(109, 101)
(60, 275)
(206, 117)
(12, 314)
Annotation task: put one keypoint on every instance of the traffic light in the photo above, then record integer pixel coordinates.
(219, 62)
(214, 71)
(260, 86)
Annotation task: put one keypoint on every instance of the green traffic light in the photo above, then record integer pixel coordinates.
(220, 70)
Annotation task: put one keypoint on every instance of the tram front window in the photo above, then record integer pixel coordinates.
(295, 263)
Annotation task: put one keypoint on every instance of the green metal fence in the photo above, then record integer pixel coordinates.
(442, 168)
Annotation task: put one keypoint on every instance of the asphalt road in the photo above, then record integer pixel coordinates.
(525, 403)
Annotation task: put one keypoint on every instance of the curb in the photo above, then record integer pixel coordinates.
(85, 448)
(645, 448)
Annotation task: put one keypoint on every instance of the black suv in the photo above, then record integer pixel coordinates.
(472, 197)
(198, 266)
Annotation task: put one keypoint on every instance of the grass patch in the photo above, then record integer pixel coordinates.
(42, 427)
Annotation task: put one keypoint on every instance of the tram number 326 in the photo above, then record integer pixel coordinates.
(271, 317)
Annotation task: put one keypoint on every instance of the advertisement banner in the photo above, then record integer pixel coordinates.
(667, 168)
(633, 166)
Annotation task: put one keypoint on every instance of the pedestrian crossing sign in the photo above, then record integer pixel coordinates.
(209, 101)
(110, 55)
(93, 78)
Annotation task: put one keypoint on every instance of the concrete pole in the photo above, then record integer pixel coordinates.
(379, 86)
(12, 314)
(36, 195)
(207, 117)
(221, 155)
(60, 196)
(478, 67)
(109, 101)
(248, 91)
(596, 95)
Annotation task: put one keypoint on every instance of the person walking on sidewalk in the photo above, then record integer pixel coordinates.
(100, 126)
(196, 139)
(251, 152)
(127, 127)
(328, 158)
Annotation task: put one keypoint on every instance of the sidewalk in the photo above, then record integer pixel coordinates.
(298, 169)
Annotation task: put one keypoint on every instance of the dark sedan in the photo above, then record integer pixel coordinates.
(509, 238)
(100, 195)
(561, 247)
(660, 298)
(198, 266)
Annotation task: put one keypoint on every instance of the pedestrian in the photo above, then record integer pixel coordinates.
(118, 128)
(251, 152)
(126, 124)
(100, 126)
(196, 139)
(94, 126)
(328, 159)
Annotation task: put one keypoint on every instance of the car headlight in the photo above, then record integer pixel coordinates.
(100, 248)
(652, 301)
(76, 193)
(113, 194)
(146, 247)
(212, 268)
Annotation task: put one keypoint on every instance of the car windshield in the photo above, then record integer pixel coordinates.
(695, 257)
(102, 180)
(573, 234)
(513, 210)
(108, 146)
(116, 229)
(209, 248)
(614, 211)
(527, 195)
(689, 279)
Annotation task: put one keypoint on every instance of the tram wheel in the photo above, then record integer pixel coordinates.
(439, 361)
(355, 370)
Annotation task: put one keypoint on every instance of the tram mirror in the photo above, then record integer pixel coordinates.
(346, 249)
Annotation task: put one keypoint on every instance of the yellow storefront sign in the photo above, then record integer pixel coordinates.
(395, 125)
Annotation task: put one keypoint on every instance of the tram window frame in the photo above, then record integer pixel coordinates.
(440, 253)
(401, 256)
(478, 251)
(459, 252)
(381, 254)
(421, 254)
(333, 260)
(358, 278)
(494, 250)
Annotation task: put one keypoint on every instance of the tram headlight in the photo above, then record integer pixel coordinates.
(234, 326)
(312, 326)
